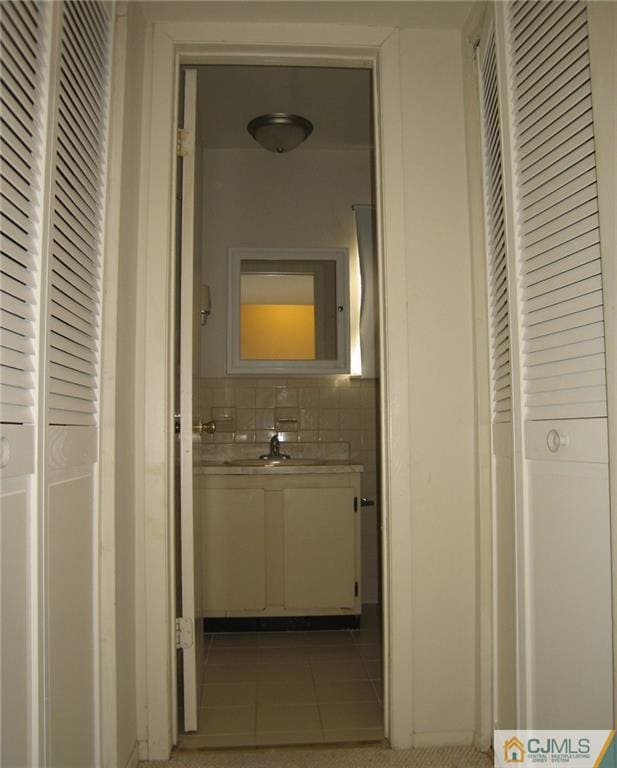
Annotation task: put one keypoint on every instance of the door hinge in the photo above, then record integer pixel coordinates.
(355, 503)
(182, 137)
(184, 633)
(355, 589)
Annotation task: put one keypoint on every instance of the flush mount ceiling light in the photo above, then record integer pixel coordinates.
(280, 131)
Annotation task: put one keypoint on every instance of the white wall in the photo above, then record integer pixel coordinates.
(259, 199)
(441, 397)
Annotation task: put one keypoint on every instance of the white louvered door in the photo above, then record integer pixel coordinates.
(565, 577)
(73, 312)
(192, 652)
(501, 360)
(23, 31)
(55, 74)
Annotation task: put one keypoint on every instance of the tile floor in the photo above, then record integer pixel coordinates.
(276, 688)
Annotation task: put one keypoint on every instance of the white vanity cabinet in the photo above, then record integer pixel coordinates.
(274, 543)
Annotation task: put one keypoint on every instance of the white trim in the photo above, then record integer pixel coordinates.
(602, 30)
(519, 467)
(235, 364)
(334, 43)
(444, 739)
(107, 420)
(484, 500)
(394, 405)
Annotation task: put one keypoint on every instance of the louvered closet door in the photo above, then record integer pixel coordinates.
(72, 359)
(560, 306)
(500, 356)
(23, 27)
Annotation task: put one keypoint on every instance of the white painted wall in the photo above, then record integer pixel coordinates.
(441, 397)
(259, 199)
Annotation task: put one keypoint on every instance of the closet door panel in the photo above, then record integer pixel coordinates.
(72, 371)
(557, 275)
(570, 650)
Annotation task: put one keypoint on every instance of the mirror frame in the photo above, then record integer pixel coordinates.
(235, 364)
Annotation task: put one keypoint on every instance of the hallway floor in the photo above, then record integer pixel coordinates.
(377, 756)
(277, 688)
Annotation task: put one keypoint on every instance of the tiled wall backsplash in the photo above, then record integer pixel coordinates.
(312, 415)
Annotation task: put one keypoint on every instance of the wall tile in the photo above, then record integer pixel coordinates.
(265, 397)
(264, 418)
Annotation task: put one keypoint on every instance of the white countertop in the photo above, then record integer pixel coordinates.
(329, 467)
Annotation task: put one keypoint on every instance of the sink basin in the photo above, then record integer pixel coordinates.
(276, 462)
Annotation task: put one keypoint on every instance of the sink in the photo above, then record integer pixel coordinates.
(276, 462)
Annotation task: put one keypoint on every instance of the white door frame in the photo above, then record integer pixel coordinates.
(171, 45)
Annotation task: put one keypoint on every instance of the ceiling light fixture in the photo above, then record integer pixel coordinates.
(280, 131)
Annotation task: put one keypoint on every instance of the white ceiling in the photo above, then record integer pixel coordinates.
(336, 101)
(434, 14)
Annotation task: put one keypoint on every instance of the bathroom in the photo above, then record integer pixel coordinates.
(319, 197)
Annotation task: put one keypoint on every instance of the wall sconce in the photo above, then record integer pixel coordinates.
(205, 309)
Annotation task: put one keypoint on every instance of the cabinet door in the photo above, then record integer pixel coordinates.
(232, 532)
(320, 548)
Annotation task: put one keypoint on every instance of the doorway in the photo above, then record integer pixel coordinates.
(378, 48)
(270, 677)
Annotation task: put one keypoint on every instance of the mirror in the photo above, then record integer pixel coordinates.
(288, 311)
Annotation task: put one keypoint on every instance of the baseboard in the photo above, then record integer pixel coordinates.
(133, 758)
(142, 750)
(443, 739)
(281, 623)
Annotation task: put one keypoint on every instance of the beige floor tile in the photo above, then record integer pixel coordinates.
(378, 688)
(336, 670)
(286, 693)
(272, 672)
(338, 654)
(277, 738)
(228, 694)
(282, 639)
(345, 690)
(288, 718)
(369, 652)
(353, 734)
(374, 669)
(226, 720)
(342, 715)
(231, 673)
(217, 656)
(214, 740)
(334, 638)
(235, 639)
(284, 655)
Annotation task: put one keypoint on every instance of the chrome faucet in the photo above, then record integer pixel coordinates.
(275, 449)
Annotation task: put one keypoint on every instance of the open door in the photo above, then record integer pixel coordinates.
(189, 626)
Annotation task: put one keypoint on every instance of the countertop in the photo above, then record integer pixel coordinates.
(329, 467)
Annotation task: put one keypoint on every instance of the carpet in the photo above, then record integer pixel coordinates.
(327, 757)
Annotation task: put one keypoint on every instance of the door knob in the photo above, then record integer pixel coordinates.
(555, 440)
(209, 427)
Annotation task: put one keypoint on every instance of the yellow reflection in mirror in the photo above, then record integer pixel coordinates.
(277, 332)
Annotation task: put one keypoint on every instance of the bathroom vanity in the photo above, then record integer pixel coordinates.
(278, 540)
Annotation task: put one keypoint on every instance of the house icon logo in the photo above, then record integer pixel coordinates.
(514, 750)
